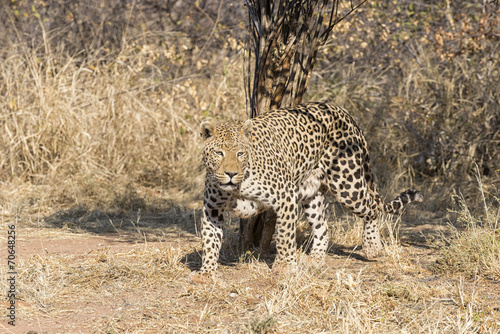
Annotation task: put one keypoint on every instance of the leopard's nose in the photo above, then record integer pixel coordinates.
(231, 174)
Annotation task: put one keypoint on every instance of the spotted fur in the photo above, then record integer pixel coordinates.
(284, 158)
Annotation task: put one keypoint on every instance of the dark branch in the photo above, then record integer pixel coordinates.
(285, 37)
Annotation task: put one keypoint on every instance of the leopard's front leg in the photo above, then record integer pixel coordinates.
(286, 225)
(211, 238)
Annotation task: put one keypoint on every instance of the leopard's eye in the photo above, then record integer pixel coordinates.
(219, 153)
(240, 154)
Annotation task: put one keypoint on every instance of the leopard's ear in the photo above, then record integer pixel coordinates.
(207, 130)
(246, 130)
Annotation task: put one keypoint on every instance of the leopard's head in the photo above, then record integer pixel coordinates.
(227, 151)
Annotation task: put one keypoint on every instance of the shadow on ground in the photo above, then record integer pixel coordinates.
(151, 225)
(134, 219)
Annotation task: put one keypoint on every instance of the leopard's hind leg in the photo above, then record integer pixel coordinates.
(346, 180)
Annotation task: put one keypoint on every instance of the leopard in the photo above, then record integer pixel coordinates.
(282, 160)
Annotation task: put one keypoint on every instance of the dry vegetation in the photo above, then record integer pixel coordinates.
(100, 169)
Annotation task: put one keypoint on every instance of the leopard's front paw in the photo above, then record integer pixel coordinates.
(197, 277)
(312, 261)
(372, 249)
(281, 268)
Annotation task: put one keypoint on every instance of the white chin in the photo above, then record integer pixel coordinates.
(228, 187)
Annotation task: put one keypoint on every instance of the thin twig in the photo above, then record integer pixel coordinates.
(214, 28)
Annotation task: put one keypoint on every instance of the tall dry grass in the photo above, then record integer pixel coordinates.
(92, 126)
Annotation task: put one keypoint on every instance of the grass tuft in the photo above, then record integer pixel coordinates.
(473, 250)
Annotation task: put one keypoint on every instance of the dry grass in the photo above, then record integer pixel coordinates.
(475, 250)
(100, 170)
(96, 126)
(101, 127)
(137, 283)
(142, 288)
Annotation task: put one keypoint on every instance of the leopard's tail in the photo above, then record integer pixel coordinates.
(408, 196)
(394, 206)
